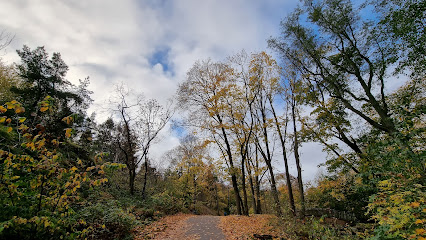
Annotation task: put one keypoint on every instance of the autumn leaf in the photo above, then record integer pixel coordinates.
(19, 110)
(44, 109)
(68, 132)
(2, 109)
(67, 120)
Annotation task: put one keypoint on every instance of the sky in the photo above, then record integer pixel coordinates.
(148, 45)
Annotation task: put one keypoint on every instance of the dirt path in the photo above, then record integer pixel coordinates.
(204, 228)
(191, 227)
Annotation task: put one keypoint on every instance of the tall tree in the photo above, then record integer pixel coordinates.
(342, 57)
(152, 118)
(204, 92)
(264, 76)
(402, 24)
(43, 76)
(139, 125)
(292, 99)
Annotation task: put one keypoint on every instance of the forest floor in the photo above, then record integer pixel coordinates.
(185, 226)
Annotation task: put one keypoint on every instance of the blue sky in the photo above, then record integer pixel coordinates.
(148, 45)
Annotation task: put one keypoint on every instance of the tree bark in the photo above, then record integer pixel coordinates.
(231, 163)
(268, 159)
(145, 177)
(297, 157)
(287, 174)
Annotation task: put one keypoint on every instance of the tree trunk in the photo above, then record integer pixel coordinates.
(132, 175)
(217, 200)
(257, 186)
(296, 156)
(231, 163)
(268, 159)
(145, 177)
(243, 185)
(252, 187)
(287, 174)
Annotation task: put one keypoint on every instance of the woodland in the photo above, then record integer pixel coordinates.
(65, 176)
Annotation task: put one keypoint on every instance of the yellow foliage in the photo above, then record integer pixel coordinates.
(50, 187)
(68, 132)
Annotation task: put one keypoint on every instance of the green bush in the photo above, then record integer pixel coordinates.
(166, 203)
(105, 221)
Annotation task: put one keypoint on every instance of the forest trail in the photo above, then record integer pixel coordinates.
(206, 227)
(183, 226)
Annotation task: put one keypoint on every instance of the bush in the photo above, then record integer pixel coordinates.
(105, 221)
(399, 209)
(166, 203)
(38, 184)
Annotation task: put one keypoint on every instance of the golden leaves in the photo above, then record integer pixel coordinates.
(19, 110)
(243, 227)
(68, 132)
(68, 120)
(46, 104)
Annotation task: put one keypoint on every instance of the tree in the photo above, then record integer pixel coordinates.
(264, 77)
(204, 92)
(140, 122)
(38, 183)
(402, 23)
(8, 78)
(342, 58)
(43, 76)
(152, 118)
(293, 102)
(5, 39)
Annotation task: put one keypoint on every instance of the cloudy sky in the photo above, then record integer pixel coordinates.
(147, 44)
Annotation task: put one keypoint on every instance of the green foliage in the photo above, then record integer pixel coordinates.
(343, 192)
(399, 207)
(403, 23)
(38, 186)
(43, 76)
(166, 203)
(105, 220)
(314, 228)
(344, 60)
(8, 79)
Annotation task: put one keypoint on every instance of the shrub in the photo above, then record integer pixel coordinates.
(38, 184)
(105, 220)
(399, 209)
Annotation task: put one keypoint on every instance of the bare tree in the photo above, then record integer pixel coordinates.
(139, 125)
(5, 39)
